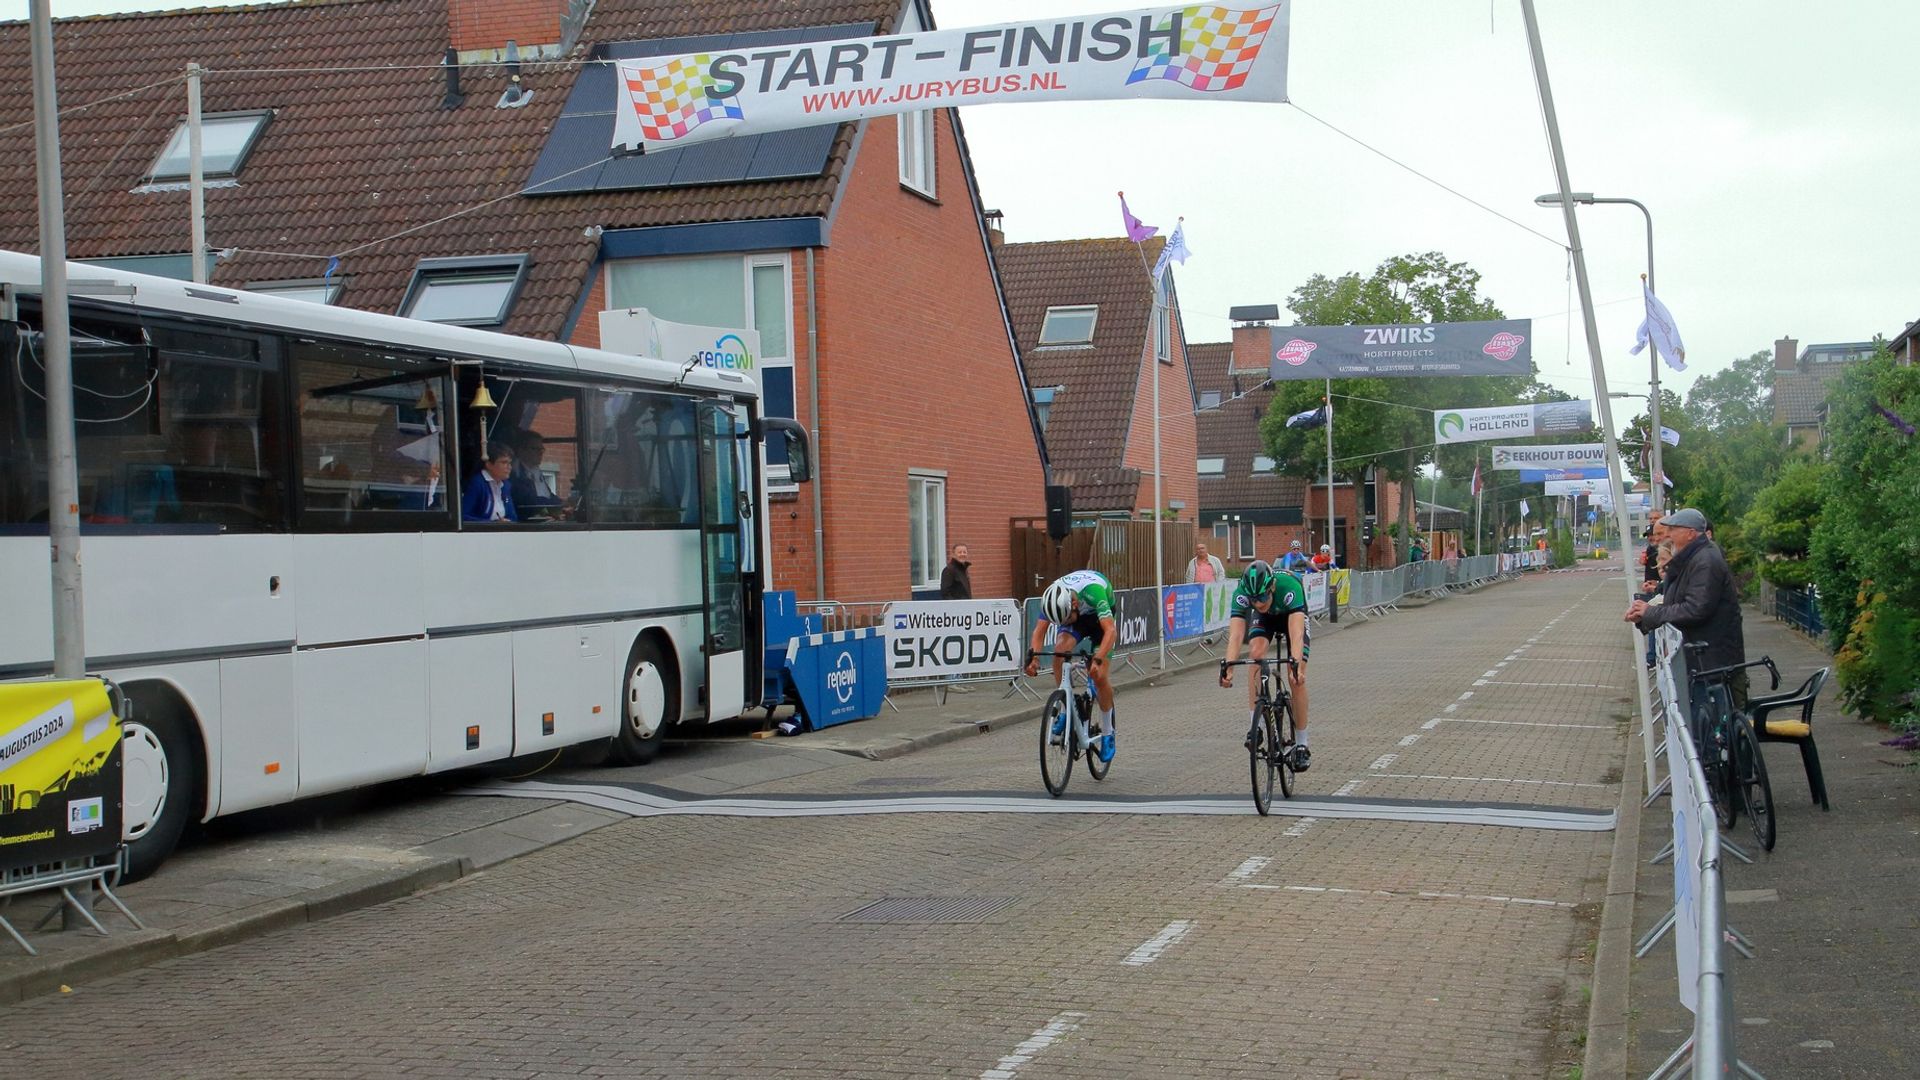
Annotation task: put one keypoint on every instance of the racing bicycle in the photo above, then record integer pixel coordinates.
(1270, 739)
(1729, 750)
(1065, 723)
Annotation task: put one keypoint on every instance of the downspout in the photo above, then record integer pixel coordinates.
(819, 461)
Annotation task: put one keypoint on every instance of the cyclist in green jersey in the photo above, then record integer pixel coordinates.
(1080, 604)
(1269, 605)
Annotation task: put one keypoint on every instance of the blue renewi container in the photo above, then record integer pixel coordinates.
(832, 677)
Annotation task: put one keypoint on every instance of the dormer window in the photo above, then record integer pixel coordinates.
(225, 141)
(465, 292)
(1069, 325)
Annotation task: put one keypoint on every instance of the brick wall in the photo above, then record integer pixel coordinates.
(490, 24)
(916, 373)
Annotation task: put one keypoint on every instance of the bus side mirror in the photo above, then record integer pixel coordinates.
(799, 452)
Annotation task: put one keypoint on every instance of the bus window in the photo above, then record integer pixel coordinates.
(372, 439)
(640, 463)
(172, 427)
(540, 423)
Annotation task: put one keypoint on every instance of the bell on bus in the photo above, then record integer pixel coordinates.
(482, 399)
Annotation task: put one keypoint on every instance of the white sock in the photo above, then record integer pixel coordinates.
(1106, 719)
(1300, 736)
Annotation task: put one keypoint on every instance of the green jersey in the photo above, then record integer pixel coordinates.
(1093, 589)
(1289, 595)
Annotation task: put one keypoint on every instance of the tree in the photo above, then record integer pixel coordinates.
(1739, 397)
(1780, 526)
(1384, 423)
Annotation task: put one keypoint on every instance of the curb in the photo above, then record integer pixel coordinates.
(139, 948)
(1608, 1027)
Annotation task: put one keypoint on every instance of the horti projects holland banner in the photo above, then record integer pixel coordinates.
(1200, 52)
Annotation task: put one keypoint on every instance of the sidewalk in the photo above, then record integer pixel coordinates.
(273, 869)
(1831, 912)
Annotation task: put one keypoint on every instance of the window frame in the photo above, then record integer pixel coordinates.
(1069, 311)
(1218, 397)
(153, 175)
(1219, 467)
(929, 481)
(1162, 323)
(916, 142)
(441, 373)
(1268, 470)
(429, 272)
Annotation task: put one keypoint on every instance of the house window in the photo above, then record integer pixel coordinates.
(312, 290)
(1209, 399)
(1043, 403)
(916, 152)
(464, 292)
(225, 141)
(1069, 325)
(1262, 464)
(927, 528)
(1246, 541)
(1213, 466)
(752, 291)
(1220, 530)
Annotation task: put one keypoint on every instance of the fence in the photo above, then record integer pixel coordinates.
(1798, 608)
(1698, 918)
(1376, 592)
(1120, 548)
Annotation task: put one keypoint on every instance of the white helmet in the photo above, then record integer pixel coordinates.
(1057, 602)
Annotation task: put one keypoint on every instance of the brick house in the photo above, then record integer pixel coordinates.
(450, 159)
(1090, 331)
(1801, 383)
(1905, 345)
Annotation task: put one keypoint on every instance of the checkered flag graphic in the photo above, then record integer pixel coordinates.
(1217, 49)
(673, 99)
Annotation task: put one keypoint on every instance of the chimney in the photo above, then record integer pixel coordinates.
(1786, 354)
(479, 30)
(996, 226)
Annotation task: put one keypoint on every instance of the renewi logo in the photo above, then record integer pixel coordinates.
(729, 353)
(843, 678)
(1451, 423)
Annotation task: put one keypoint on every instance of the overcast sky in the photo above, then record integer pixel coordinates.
(1772, 141)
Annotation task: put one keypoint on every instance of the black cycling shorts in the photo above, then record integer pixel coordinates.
(1087, 629)
(1272, 623)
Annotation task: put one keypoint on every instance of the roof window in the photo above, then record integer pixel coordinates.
(1069, 325)
(465, 292)
(225, 141)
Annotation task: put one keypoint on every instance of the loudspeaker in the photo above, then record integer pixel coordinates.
(1059, 511)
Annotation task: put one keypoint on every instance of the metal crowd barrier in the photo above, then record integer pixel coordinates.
(1698, 917)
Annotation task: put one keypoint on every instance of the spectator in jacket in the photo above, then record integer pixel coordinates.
(1698, 598)
(1204, 567)
(956, 581)
(1650, 558)
(489, 496)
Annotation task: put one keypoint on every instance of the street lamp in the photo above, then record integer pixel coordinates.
(1588, 198)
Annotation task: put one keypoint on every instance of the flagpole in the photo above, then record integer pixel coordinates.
(1159, 559)
(1327, 403)
(1601, 401)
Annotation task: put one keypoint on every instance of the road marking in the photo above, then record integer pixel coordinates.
(1394, 894)
(1479, 682)
(1466, 695)
(1246, 869)
(1300, 827)
(1409, 740)
(1514, 655)
(649, 801)
(1490, 780)
(1023, 1054)
(1529, 723)
(1451, 707)
(1569, 660)
(1435, 722)
(1583, 685)
(1494, 674)
(1347, 788)
(1383, 761)
(1169, 936)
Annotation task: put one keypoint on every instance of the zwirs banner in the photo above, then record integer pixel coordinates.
(1201, 53)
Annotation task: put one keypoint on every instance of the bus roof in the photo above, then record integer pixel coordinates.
(213, 302)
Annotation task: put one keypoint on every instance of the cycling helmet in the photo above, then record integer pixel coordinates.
(1057, 603)
(1258, 579)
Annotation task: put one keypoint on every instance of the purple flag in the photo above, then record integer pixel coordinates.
(1899, 423)
(1137, 231)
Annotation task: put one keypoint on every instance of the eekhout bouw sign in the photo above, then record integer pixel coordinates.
(1202, 52)
(1578, 456)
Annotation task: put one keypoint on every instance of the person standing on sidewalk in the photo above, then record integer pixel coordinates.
(1699, 599)
(956, 581)
(1204, 568)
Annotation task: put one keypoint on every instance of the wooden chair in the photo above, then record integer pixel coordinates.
(1796, 730)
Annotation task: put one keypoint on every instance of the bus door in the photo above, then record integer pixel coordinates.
(729, 558)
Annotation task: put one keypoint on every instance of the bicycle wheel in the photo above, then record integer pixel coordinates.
(1260, 754)
(1723, 782)
(1283, 744)
(1756, 794)
(1095, 767)
(1056, 743)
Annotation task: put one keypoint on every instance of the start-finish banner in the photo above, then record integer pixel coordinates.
(1500, 347)
(1198, 53)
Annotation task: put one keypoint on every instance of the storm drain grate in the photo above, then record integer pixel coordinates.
(929, 909)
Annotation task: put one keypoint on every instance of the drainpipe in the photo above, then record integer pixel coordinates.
(819, 462)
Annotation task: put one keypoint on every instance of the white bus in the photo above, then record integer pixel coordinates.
(299, 573)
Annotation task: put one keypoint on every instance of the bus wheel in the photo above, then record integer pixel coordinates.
(159, 780)
(651, 697)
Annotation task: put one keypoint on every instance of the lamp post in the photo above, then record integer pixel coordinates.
(1588, 198)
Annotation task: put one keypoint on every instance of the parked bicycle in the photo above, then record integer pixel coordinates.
(1736, 771)
(1066, 726)
(1270, 739)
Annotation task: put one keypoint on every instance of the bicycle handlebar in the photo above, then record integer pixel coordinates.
(1263, 661)
(1720, 673)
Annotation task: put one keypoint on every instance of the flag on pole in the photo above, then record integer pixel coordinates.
(1137, 230)
(1525, 512)
(1665, 479)
(1669, 436)
(1175, 251)
(1312, 418)
(1659, 329)
(1476, 478)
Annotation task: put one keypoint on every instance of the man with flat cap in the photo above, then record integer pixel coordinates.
(1700, 600)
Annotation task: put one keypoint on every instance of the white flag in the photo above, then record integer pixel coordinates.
(1175, 251)
(1658, 328)
(1524, 511)
(1669, 436)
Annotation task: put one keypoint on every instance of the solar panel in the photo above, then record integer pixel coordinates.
(583, 134)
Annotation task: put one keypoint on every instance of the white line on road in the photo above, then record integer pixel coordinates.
(1409, 740)
(1490, 780)
(1491, 674)
(1300, 827)
(1583, 685)
(1169, 936)
(1435, 722)
(1421, 895)
(1346, 788)
(1466, 695)
(1479, 682)
(1452, 707)
(1246, 869)
(1383, 761)
(1529, 723)
(1060, 1025)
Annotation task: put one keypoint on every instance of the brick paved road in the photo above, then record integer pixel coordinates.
(1127, 946)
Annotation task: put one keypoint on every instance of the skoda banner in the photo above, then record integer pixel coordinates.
(1499, 347)
(935, 639)
(1578, 456)
(59, 772)
(1512, 421)
(743, 87)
